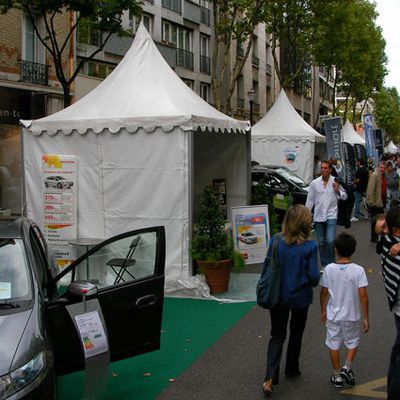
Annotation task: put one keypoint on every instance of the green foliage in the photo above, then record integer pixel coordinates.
(387, 112)
(211, 242)
(261, 195)
(104, 16)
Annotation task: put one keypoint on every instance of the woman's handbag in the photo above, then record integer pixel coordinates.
(268, 286)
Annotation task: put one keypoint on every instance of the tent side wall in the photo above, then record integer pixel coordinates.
(126, 181)
(221, 156)
(267, 151)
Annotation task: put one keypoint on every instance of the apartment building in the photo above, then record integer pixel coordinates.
(28, 89)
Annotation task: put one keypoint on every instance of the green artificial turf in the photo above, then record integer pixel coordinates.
(189, 328)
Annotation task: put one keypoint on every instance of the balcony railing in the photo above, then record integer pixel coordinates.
(268, 69)
(34, 72)
(205, 64)
(255, 61)
(184, 59)
(205, 16)
(174, 5)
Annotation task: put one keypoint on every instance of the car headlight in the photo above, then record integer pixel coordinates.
(17, 379)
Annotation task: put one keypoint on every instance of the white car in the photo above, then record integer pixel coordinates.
(57, 181)
(248, 237)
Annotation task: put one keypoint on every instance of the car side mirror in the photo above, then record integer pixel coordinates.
(76, 289)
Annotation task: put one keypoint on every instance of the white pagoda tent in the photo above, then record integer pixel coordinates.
(349, 135)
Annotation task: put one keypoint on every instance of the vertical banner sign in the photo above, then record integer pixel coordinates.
(368, 121)
(349, 162)
(60, 189)
(333, 132)
(378, 136)
(251, 232)
(359, 149)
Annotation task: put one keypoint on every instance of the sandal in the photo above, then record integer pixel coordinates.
(267, 387)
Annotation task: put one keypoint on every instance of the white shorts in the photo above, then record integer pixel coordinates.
(347, 332)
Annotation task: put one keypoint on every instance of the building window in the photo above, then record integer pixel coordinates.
(240, 91)
(86, 34)
(134, 21)
(254, 52)
(189, 83)
(204, 54)
(174, 5)
(177, 36)
(205, 91)
(98, 69)
(30, 40)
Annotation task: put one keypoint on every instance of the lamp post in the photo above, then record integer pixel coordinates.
(252, 96)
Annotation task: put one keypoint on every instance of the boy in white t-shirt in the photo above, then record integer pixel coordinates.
(344, 290)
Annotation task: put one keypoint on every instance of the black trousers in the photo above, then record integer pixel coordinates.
(279, 321)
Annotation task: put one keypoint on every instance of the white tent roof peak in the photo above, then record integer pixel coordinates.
(350, 135)
(283, 123)
(142, 92)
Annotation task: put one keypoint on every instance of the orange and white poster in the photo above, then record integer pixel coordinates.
(60, 189)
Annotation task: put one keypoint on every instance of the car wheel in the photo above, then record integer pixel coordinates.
(59, 185)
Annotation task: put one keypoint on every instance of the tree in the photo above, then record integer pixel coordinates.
(234, 20)
(387, 112)
(104, 16)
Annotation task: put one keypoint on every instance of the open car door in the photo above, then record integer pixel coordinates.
(128, 271)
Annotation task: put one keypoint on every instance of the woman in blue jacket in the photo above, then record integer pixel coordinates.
(299, 271)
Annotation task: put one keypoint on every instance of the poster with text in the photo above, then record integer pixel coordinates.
(60, 187)
(251, 232)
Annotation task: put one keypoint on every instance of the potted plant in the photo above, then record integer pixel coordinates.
(212, 246)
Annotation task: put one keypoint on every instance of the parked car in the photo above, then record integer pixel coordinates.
(280, 180)
(38, 339)
(57, 181)
(248, 237)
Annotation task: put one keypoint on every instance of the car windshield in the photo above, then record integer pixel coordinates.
(14, 274)
(291, 176)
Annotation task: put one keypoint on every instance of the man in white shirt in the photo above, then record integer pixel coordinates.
(323, 195)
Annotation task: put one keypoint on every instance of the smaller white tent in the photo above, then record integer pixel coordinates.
(350, 135)
(391, 148)
(282, 137)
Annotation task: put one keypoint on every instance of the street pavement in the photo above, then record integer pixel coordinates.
(233, 368)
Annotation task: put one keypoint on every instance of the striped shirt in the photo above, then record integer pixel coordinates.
(390, 269)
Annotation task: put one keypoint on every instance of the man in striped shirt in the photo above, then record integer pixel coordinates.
(391, 275)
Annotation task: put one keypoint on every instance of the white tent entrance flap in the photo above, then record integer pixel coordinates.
(144, 158)
(282, 137)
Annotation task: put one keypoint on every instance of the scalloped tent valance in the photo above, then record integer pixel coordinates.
(142, 92)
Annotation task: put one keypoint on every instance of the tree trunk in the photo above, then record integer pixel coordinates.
(66, 95)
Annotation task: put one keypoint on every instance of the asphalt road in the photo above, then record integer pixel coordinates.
(233, 368)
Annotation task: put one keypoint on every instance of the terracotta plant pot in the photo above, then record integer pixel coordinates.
(217, 274)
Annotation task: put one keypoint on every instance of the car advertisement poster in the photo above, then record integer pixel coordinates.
(251, 232)
(60, 186)
(291, 157)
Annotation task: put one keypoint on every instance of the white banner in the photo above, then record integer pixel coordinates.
(60, 189)
(251, 232)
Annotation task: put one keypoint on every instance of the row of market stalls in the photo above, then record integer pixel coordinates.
(147, 145)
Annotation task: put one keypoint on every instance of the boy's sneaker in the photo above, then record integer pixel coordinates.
(347, 375)
(337, 381)
(354, 219)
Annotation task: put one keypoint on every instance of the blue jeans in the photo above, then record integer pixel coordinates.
(357, 202)
(393, 384)
(279, 322)
(326, 233)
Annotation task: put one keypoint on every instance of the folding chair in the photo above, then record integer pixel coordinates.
(120, 265)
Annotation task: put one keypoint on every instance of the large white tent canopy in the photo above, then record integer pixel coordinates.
(147, 145)
(282, 137)
(350, 135)
(391, 148)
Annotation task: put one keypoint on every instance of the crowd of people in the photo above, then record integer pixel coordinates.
(343, 295)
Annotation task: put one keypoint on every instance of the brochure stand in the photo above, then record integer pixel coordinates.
(90, 325)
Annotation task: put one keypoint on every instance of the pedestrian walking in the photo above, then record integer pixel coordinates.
(323, 196)
(391, 276)
(392, 184)
(298, 265)
(344, 290)
(376, 195)
(360, 187)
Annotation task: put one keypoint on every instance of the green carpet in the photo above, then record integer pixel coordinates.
(189, 328)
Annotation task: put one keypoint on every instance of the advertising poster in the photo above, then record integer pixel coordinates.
(368, 121)
(59, 180)
(379, 145)
(333, 132)
(349, 162)
(251, 232)
(291, 157)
